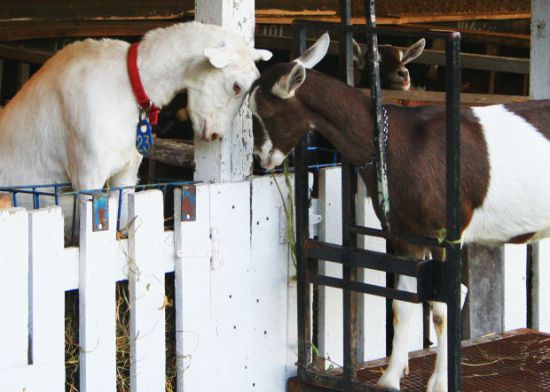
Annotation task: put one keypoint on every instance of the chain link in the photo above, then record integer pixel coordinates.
(386, 132)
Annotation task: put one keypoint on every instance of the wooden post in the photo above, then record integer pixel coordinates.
(539, 88)
(231, 158)
(540, 49)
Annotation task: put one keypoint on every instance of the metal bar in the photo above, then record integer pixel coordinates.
(334, 382)
(302, 234)
(366, 288)
(454, 268)
(35, 200)
(119, 210)
(363, 258)
(349, 272)
(362, 230)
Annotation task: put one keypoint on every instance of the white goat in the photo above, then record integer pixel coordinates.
(75, 120)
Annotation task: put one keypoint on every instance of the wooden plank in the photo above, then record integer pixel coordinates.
(484, 312)
(400, 20)
(230, 287)
(93, 9)
(147, 293)
(22, 30)
(194, 329)
(14, 270)
(172, 152)
(540, 50)
(483, 37)
(47, 295)
(274, 351)
(515, 303)
(373, 337)
(97, 302)
(419, 97)
(23, 54)
(30, 378)
(429, 56)
(330, 311)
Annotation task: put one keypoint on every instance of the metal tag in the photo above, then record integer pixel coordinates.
(144, 136)
(188, 203)
(100, 212)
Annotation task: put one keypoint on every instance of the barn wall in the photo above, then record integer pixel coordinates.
(93, 9)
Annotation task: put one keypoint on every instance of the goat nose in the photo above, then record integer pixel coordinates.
(215, 136)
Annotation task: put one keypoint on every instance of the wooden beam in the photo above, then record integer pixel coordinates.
(23, 54)
(419, 97)
(22, 30)
(284, 18)
(172, 152)
(540, 50)
(484, 37)
(429, 56)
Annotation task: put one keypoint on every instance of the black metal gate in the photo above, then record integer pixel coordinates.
(435, 280)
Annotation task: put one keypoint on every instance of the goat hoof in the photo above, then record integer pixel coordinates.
(389, 383)
(437, 383)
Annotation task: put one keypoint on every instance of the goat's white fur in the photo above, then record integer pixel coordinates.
(75, 119)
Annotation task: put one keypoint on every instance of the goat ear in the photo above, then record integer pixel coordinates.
(311, 57)
(219, 57)
(358, 56)
(287, 84)
(261, 54)
(414, 51)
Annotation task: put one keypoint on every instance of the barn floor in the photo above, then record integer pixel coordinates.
(516, 361)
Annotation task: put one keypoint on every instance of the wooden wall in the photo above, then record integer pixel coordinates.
(397, 7)
(93, 9)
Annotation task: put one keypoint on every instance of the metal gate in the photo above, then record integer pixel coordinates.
(435, 280)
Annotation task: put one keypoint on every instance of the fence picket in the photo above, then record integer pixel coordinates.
(47, 321)
(14, 268)
(271, 356)
(230, 286)
(373, 308)
(330, 298)
(194, 331)
(97, 303)
(146, 281)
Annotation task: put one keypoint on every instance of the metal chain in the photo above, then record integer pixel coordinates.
(386, 131)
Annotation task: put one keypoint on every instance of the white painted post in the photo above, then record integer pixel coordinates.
(194, 331)
(231, 158)
(14, 269)
(539, 86)
(330, 299)
(373, 309)
(540, 49)
(230, 287)
(274, 353)
(47, 321)
(97, 302)
(146, 284)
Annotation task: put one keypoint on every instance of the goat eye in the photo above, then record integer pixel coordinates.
(236, 88)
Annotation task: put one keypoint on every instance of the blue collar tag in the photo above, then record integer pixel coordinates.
(144, 136)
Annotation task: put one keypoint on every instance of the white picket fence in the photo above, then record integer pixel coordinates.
(235, 292)
(235, 312)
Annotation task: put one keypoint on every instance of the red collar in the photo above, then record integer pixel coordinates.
(142, 99)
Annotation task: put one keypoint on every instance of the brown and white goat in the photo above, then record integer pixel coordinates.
(505, 184)
(394, 74)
